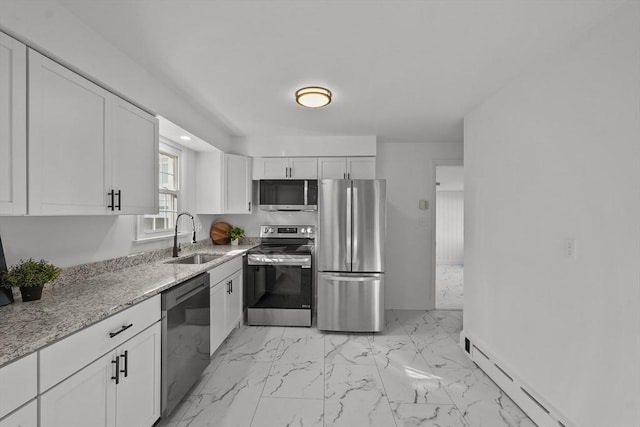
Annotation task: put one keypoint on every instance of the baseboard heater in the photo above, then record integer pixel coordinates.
(522, 395)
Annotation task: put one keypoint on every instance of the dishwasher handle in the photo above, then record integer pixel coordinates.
(184, 291)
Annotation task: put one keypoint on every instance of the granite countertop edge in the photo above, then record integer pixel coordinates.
(68, 308)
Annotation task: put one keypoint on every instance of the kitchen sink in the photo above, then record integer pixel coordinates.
(194, 259)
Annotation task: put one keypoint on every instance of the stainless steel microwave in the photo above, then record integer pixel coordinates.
(288, 195)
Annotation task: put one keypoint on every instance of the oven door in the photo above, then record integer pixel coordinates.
(279, 293)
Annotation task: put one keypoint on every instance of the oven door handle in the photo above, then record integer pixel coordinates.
(293, 263)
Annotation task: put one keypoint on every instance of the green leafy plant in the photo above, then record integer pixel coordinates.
(30, 273)
(236, 233)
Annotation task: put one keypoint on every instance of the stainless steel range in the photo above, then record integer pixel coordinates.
(279, 276)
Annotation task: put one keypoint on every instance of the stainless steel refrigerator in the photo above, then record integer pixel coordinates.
(351, 235)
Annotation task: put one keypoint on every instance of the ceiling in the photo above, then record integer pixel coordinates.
(401, 70)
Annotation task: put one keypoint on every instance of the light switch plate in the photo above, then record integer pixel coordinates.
(570, 248)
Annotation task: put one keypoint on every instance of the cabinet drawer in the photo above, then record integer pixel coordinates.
(18, 383)
(69, 355)
(225, 270)
(27, 416)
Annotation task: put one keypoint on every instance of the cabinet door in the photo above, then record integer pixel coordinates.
(237, 183)
(218, 298)
(87, 398)
(361, 167)
(27, 416)
(233, 309)
(332, 168)
(133, 159)
(18, 383)
(303, 168)
(69, 121)
(271, 168)
(138, 394)
(13, 126)
(209, 183)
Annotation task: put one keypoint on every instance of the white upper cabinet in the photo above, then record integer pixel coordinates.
(13, 126)
(347, 168)
(90, 152)
(270, 167)
(236, 183)
(223, 183)
(361, 167)
(285, 168)
(69, 121)
(134, 159)
(303, 168)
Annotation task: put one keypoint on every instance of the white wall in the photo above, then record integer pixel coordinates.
(409, 169)
(450, 227)
(56, 32)
(72, 240)
(315, 146)
(66, 241)
(556, 155)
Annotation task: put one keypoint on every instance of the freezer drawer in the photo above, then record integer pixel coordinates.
(351, 302)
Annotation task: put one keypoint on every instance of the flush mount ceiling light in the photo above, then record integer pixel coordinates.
(185, 138)
(313, 96)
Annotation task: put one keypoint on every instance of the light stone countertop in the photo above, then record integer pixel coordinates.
(72, 306)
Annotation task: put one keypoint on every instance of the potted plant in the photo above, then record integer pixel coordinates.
(30, 276)
(236, 233)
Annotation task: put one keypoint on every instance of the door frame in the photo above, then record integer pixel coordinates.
(432, 282)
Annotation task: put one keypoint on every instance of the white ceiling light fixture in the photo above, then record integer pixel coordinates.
(313, 96)
(185, 138)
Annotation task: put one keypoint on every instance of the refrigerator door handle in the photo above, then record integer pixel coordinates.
(355, 260)
(349, 229)
(337, 277)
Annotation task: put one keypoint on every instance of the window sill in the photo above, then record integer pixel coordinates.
(147, 239)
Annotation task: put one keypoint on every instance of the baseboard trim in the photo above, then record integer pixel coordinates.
(533, 404)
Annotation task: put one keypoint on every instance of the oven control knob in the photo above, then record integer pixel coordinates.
(310, 230)
(270, 230)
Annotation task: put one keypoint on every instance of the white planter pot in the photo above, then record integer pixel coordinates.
(234, 242)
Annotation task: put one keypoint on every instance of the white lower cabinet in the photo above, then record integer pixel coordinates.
(233, 302)
(120, 389)
(27, 416)
(226, 300)
(18, 383)
(87, 398)
(217, 300)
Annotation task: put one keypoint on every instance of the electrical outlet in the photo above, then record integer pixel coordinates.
(570, 248)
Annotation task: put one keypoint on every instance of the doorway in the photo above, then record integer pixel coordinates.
(449, 253)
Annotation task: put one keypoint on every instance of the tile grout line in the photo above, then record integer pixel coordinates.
(324, 380)
(267, 378)
(464, 420)
(386, 395)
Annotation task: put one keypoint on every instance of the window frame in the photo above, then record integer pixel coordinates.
(167, 147)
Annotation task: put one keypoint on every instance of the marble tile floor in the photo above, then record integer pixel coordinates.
(413, 374)
(449, 287)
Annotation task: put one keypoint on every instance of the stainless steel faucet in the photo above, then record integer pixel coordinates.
(176, 248)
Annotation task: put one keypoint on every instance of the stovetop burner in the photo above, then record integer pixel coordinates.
(285, 239)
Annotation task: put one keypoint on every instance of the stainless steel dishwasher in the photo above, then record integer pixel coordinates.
(185, 338)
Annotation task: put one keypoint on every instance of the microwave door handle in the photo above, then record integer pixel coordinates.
(306, 193)
(348, 223)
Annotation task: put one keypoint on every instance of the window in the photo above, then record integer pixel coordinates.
(163, 223)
